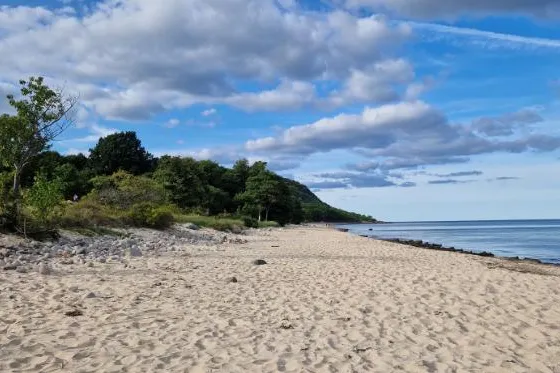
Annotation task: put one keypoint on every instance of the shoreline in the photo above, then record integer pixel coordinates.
(439, 247)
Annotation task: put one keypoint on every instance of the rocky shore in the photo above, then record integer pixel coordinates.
(17, 254)
(439, 247)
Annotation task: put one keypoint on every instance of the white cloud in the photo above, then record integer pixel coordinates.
(209, 112)
(287, 96)
(162, 58)
(172, 123)
(402, 135)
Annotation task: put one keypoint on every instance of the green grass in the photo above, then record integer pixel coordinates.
(268, 224)
(214, 222)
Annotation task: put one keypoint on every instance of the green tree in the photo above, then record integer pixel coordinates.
(261, 192)
(44, 199)
(120, 151)
(181, 179)
(42, 114)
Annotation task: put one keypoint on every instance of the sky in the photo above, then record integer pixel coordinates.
(406, 110)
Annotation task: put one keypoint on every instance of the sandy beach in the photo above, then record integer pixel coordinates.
(326, 301)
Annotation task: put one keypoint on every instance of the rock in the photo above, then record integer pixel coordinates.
(89, 264)
(192, 226)
(233, 279)
(259, 262)
(44, 269)
(74, 313)
(90, 295)
(133, 251)
(10, 268)
(21, 269)
(102, 260)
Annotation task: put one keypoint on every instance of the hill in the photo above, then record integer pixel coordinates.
(316, 210)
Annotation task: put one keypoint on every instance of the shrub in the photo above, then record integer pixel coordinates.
(149, 215)
(88, 213)
(44, 200)
(123, 190)
(250, 222)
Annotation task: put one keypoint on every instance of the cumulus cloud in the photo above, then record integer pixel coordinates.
(357, 179)
(429, 9)
(162, 58)
(402, 136)
(507, 124)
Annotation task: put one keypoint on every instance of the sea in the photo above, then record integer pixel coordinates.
(535, 239)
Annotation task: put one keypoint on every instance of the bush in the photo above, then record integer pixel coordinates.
(149, 215)
(123, 190)
(44, 200)
(89, 213)
(250, 222)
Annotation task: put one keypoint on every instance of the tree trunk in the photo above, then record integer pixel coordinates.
(260, 210)
(266, 214)
(17, 175)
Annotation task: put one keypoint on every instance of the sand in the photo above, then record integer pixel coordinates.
(325, 301)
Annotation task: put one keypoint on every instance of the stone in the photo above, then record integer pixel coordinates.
(44, 269)
(192, 226)
(90, 295)
(89, 264)
(21, 269)
(233, 279)
(10, 268)
(74, 313)
(259, 262)
(133, 251)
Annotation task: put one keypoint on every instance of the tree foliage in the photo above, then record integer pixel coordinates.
(42, 114)
(121, 151)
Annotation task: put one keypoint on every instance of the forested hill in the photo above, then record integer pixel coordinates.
(317, 210)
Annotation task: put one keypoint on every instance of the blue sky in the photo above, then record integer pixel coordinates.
(405, 110)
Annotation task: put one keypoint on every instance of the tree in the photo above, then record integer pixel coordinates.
(42, 114)
(261, 191)
(121, 151)
(181, 179)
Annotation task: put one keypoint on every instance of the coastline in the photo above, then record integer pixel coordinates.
(440, 247)
(323, 301)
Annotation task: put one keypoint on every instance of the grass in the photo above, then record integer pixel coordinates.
(268, 224)
(214, 222)
(89, 217)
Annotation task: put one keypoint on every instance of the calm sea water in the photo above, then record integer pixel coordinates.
(538, 239)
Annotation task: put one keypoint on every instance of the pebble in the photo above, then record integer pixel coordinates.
(44, 269)
(90, 295)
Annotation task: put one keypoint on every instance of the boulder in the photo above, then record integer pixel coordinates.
(192, 226)
(259, 262)
(133, 252)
